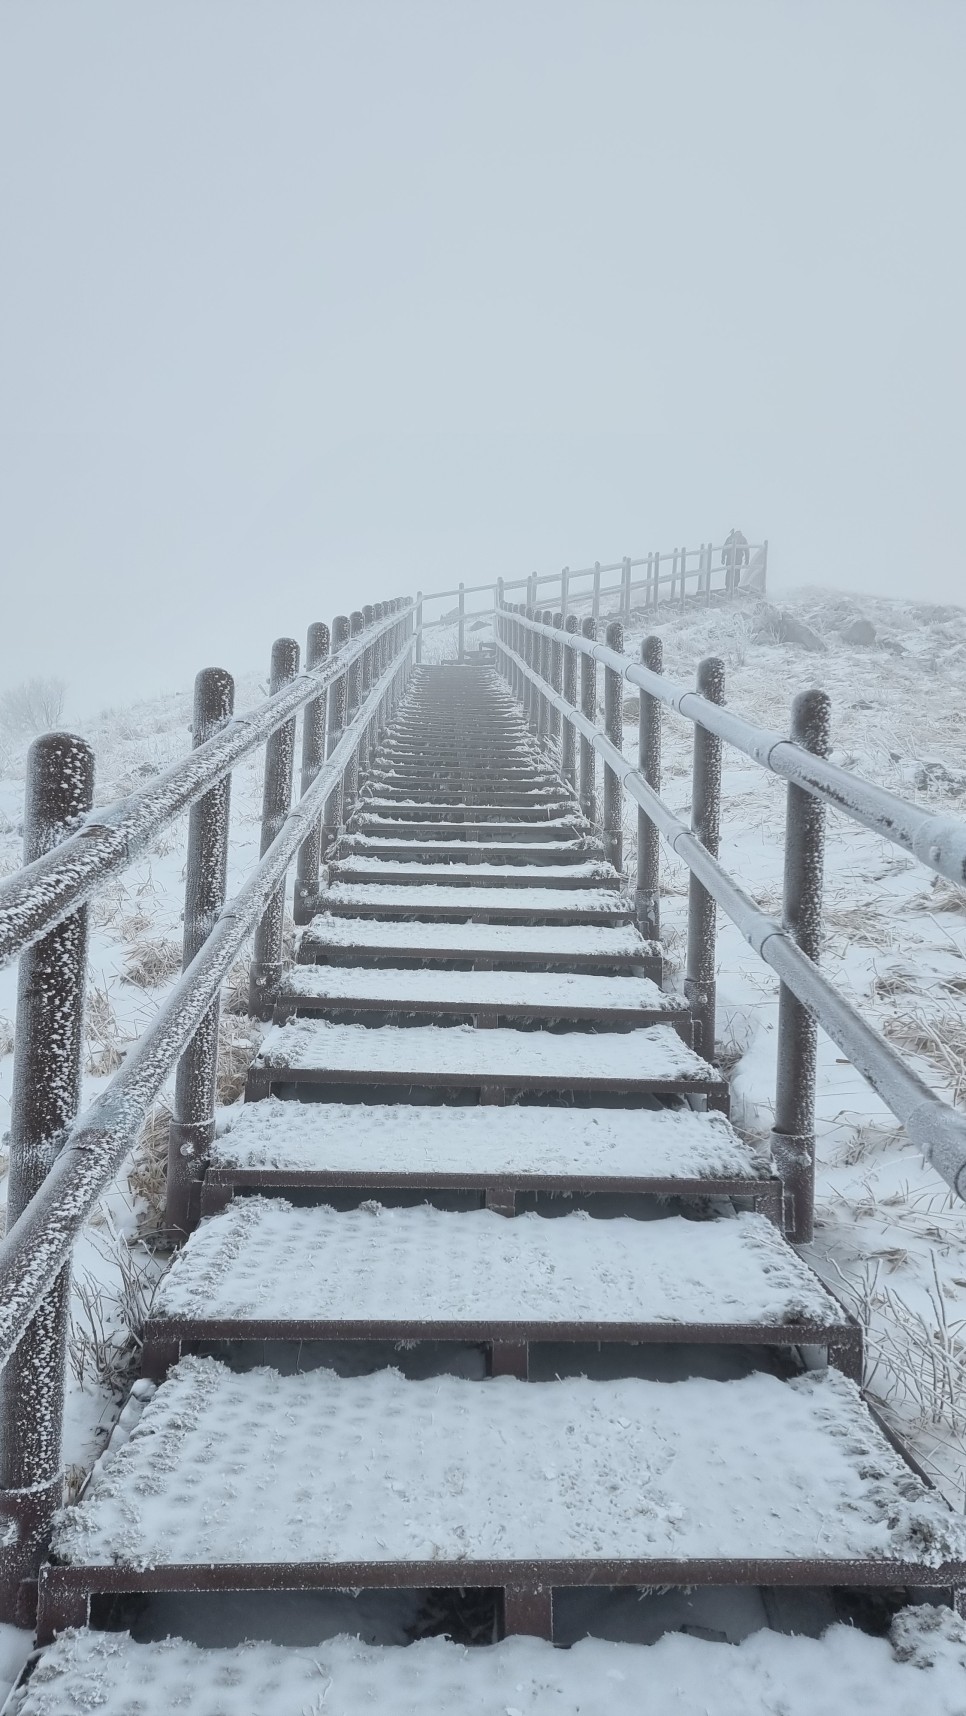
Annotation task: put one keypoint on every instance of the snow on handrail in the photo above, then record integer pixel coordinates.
(38, 897)
(938, 1129)
(939, 842)
(40, 1241)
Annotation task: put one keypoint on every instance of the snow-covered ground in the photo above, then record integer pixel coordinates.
(889, 1237)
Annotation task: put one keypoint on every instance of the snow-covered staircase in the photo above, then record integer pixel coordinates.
(644, 1386)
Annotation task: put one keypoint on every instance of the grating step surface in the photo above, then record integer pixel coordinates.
(519, 1144)
(224, 1469)
(443, 903)
(641, 1061)
(262, 1261)
(523, 994)
(920, 1668)
(509, 944)
(383, 871)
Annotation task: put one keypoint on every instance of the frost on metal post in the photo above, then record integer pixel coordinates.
(793, 1136)
(46, 1094)
(588, 708)
(266, 969)
(648, 894)
(614, 729)
(193, 1123)
(335, 726)
(313, 756)
(699, 981)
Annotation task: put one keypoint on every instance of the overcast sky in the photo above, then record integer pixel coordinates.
(305, 303)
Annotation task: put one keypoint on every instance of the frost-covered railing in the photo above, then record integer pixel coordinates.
(682, 575)
(60, 1165)
(539, 654)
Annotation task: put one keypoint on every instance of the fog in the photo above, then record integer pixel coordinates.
(304, 304)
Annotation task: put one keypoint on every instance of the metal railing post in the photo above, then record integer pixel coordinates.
(556, 680)
(367, 676)
(335, 722)
(564, 592)
(614, 728)
(462, 622)
(529, 689)
(684, 578)
(568, 736)
(266, 967)
(793, 1134)
(350, 780)
(419, 627)
(313, 756)
(192, 1128)
(626, 588)
(544, 725)
(647, 899)
(44, 1100)
(699, 981)
(588, 708)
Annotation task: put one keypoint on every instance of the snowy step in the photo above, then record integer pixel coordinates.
(482, 994)
(560, 810)
(313, 1480)
(589, 874)
(582, 947)
(408, 846)
(919, 1668)
(508, 797)
(500, 1150)
(446, 904)
(265, 1270)
(645, 1062)
(447, 829)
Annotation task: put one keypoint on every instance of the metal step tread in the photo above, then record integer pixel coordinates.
(620, 944)
(262, 1261)
(529, 811)
(449, 829)
(639, 1060)
(531, 994)
(402, 848)
(919, 1668)
(224, 1469)
(520, 1146)
(437, 900)
(588, 874)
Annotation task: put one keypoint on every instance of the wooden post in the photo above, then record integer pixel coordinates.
(588, 708)
(419, 627)
(648, 896)
(266, 967)
(313, 756)
(699, 981)
(568, 740)
(626, 588)
(44, 1101)
(684, 578)
(192, 1128)
(793, 1135)
(614, 728)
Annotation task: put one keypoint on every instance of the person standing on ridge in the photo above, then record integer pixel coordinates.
(734, 555)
